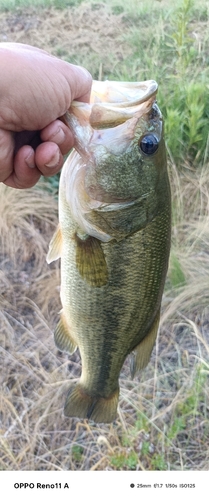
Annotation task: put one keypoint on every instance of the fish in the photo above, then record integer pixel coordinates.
(113, 239)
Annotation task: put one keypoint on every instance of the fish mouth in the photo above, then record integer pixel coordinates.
(112, 103)
(122, 93)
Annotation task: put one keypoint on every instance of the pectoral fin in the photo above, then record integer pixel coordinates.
(141, 354)
(62, 337)
(90, 261)
(55, 246)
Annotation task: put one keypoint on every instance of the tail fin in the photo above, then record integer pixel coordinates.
(82, 405)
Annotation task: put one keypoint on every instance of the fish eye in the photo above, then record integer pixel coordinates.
(149, 144)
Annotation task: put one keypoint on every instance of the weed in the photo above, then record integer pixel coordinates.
(77, 452)
(176, 274)
(178, 425)
(145, 448)
(127, 461)
(158, 462)
(181, 38)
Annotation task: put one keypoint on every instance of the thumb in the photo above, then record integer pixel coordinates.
(79, 81)
(6, 154)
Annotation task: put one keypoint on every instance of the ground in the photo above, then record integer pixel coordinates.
(75, 34)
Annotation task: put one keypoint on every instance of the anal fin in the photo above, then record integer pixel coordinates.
(62, 337)
(55, 246)
(141, 354)
(90, 261)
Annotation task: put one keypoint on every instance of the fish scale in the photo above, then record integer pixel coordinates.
(114, 251)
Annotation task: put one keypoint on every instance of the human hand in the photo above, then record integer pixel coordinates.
(36, 89)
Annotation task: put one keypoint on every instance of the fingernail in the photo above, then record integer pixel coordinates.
(29, 160)
(54, 160)
(59, 136)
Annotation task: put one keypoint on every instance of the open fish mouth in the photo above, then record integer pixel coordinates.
(123, 92)
(112, 103)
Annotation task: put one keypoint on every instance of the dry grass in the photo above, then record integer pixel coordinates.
(75, 34)
(163, 418)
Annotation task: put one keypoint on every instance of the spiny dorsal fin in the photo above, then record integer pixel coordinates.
(62, 337)
(141, 354)
(55, 246)
(90, 261)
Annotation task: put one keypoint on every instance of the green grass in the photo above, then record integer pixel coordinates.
(161, 42)
(173, 56)
(177, 276)
(11, 5)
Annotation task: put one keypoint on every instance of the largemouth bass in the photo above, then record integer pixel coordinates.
(113, 239)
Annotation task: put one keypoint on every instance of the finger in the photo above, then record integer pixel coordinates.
(60, 134)
(29, 165)
(6, 154)
(24, 174)
(79, 81)
(48, 158)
